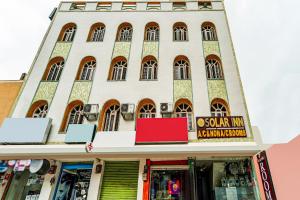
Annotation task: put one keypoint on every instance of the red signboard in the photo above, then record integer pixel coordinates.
(161, 130)
(266, 176)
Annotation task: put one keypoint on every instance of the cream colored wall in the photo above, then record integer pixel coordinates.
(9, 91)
(132, 90)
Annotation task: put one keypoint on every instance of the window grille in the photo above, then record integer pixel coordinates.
(98, 34)
(119, 71)
(112, 116)
(181, 70)
(69, 34)
(41, 111)
(218, 110)
(103, 6)
(209, 33)
(204, 5)
(88, 70)
(213, 69)
(153, 6)
(76, 115)
(149, 70)
(179, 6)
(77, 6)
(184, 110)
(152, 33)
(147, 111)
(55, 71)
(125, 34)
(180, 33)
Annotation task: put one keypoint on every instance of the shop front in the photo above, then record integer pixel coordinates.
(216, 179)
(23, 179)
(74, 181)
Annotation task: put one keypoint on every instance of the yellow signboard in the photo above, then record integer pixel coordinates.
(220, 127)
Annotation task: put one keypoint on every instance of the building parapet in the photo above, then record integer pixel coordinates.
(136, 6)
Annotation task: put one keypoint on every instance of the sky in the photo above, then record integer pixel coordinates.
(265, 36)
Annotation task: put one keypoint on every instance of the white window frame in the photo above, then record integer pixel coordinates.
(69, 34)
(182, 70)
(184, 110)
(209, 33)
(119, 71)
(149, 70)
(98, 34)
(87, 71)
(214, 70)
(112, 118)
(152, 33)
(55, 71)
(180, 33)
(41, 111)
(148, 110)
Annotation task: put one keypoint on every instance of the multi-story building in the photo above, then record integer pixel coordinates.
(132, 100)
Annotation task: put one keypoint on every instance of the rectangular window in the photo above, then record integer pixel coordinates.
(103, 6)
(153, 6)
(129, 6)
(179, 6)
(204, 5)
(77, 6)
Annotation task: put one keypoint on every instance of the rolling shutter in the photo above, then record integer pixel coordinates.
(120, 181)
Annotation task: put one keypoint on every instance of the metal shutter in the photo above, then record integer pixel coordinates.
(120, 181)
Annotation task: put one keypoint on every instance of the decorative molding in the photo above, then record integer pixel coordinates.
(121, 49)
(61, 49)
(45, 91)
(150, 48)
(183, 89)
(211, 47)
(81, 91)
(217, 89)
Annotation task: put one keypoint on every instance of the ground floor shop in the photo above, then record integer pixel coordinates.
(182, 178)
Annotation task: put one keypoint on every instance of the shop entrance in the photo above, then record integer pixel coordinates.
(169, 184)
(203, 180)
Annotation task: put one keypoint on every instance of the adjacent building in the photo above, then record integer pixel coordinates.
(132, 100)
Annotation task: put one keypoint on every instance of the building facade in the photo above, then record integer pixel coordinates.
(132, 100)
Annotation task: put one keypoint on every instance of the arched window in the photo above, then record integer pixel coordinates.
(209, 32)
(54, 69)
(149, 68)
(219, 108)
(86, 68)
(213, 67)
(124, 32)
(73, 114)
(184, 108)
(38, 109)
(97, 32)
(181, 68)
(146, 109)
(180, 32)
(152, 32)
(110, 116)
(67, 33)
(118, 69)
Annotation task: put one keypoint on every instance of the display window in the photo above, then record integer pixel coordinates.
(25, 186)
(167, 184)
(74, 181)
(225, 180)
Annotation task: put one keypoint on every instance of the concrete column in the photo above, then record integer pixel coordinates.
(95, 181)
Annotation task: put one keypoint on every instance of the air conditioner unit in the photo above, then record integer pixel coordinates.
(127, 111)
(166, 108)
(91, 111)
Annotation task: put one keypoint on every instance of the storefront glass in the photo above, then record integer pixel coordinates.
(74, 182)
(169, 185)
(225, 180)
(25, 186)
